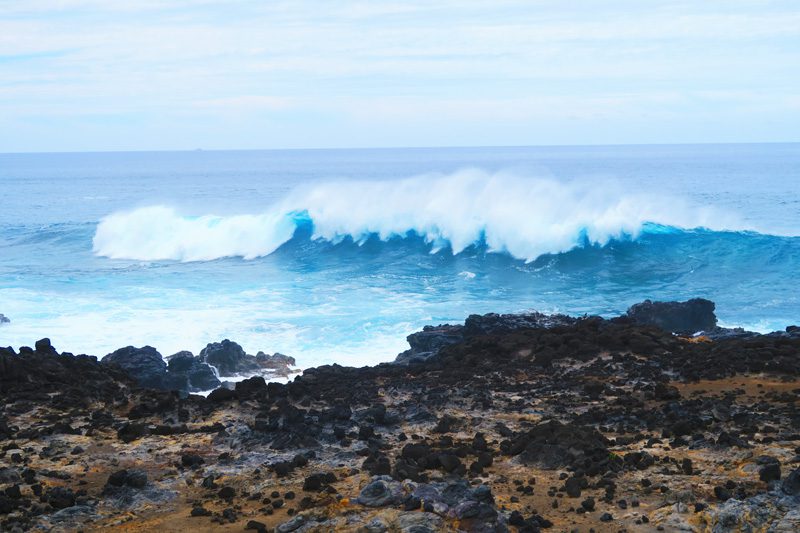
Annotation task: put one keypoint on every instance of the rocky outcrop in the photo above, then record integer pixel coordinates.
(182, 371)
(145, 365)
(429, 341)
(199, 376)
(4, 319)
(60, 379)
(494, 324)
(432, 339)
(594, 423)
(686, 318)
(277, 363)
(186, 372)
(228, 358)
(776, 510)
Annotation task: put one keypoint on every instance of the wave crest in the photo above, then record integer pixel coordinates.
(524, 217)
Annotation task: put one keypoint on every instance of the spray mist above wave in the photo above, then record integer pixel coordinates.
(524, 217)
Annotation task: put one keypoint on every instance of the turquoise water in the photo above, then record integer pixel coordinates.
(336, 255)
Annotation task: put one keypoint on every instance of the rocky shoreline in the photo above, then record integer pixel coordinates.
(505, 423)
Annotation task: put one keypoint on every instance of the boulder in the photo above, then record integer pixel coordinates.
(228, 358)
(429, 341)
(4, 319)
(277, 363)
(791, 485)
(222, 394)
(44, 347)
(685, 318)
(379, 493)
(145, 365)
(60, 497)
(251, 387)
(136, 479)
(199, 376)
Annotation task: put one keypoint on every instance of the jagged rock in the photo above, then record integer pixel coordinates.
(686, 317)
(60, 497)
(791, 485)
(136, 479)
(35, 372)
(276, 363)
(771, 511)
(199, 375)
(553, 444)
(770, 470)
(131, 432)
(251, 387)
(228, 358)
(495, 324)
(429, 341)
(145, 365)
(43, 346)
(222, 394)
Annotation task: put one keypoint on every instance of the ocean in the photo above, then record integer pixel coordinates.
(334, 256)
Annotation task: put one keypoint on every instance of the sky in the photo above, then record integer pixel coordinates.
(85, 75)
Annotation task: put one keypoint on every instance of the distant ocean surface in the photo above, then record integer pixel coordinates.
(337, 255)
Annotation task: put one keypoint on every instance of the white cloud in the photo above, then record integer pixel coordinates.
(392, 59)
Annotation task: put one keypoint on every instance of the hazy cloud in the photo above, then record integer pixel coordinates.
(163, 74)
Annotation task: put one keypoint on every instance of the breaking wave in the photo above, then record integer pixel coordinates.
(523, 217)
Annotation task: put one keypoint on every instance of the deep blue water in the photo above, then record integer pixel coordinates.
(336, 255)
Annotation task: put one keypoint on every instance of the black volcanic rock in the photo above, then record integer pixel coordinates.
(251, 387)
(136, 479)
(60, 497)
(277, 363)
(791, 485)
(228, 358)
(43, 346)
(222, 395)
(552, 444)
(433, 339)
(144, 364)
(33, 372)
(604, 401)
(199, 375)
(181, 362)
(495, 324)
(686, 317)
(429, 341)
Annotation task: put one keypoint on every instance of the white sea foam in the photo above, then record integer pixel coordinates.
(181, 320)
(525, 217)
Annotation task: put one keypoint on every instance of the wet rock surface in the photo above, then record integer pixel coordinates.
(506, 423)
(687, 317)
(198, 375)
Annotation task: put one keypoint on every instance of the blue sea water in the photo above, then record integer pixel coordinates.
(336, 255)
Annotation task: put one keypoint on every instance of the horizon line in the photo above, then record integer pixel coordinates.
(365, 148)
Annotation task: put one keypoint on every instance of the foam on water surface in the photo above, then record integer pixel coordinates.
(335, 256)
(524, 217)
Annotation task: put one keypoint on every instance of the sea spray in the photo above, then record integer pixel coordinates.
(524, 217)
